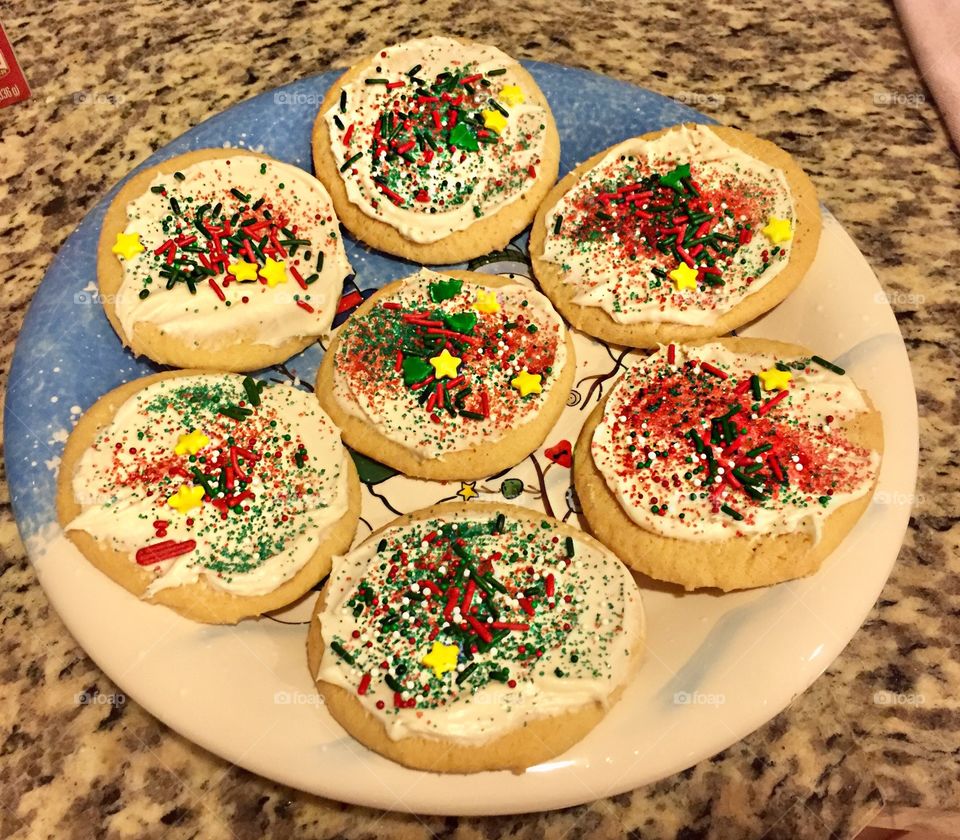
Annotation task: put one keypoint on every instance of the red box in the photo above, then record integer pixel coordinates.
(13, 84)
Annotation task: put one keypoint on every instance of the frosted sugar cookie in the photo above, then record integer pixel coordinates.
(679, 235)
(733, 464)
(214, 494)
(437, 150)
(449, 376)
(475, 637)
(221, 259)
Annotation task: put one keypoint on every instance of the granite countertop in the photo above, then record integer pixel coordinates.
(830, 81)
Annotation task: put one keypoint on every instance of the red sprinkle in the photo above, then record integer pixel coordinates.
(479, 629)
(297, 277)
(714, 370)
(771, 403)
(166, 550)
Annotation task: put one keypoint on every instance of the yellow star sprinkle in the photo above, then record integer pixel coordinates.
(512, 95)
(775, 379)
(186, 498)
(778, 230)
(684, 276)
(442, 658)
(494, 120)
(527, 383)
(191, 443)
(127, 245)
(486, 301)
(468, 490)
(273, 272)
(445, 365)
(243, 271)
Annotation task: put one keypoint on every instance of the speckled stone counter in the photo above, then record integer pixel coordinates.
(830, 81)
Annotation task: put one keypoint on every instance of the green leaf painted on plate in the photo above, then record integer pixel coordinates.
(370, 471)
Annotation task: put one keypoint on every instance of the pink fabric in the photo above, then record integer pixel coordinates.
(933, 29)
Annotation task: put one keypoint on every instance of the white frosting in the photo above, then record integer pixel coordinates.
(604, 276)
(498, 172)
(271, 315)
(607, 632)
(118, 512)
(383, 401)
(815, 394)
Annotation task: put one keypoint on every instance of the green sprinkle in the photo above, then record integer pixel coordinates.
(375, 81)
(343, 101)
(179, 176)
(557, 225)
(828, 365)
(568, 545)
(697, 442)
(341, 651)
(464, 675)
(234, 412)
(729, 511)
(351, 161)
(253, 389)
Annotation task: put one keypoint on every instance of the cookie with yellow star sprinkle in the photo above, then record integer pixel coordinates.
(737, 463)
(213, 494)
(437, 150)
(452, 375)
(678, 235)
(464, 638)
(221, 259)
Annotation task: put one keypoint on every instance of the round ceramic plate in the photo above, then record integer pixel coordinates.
(717, 667)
